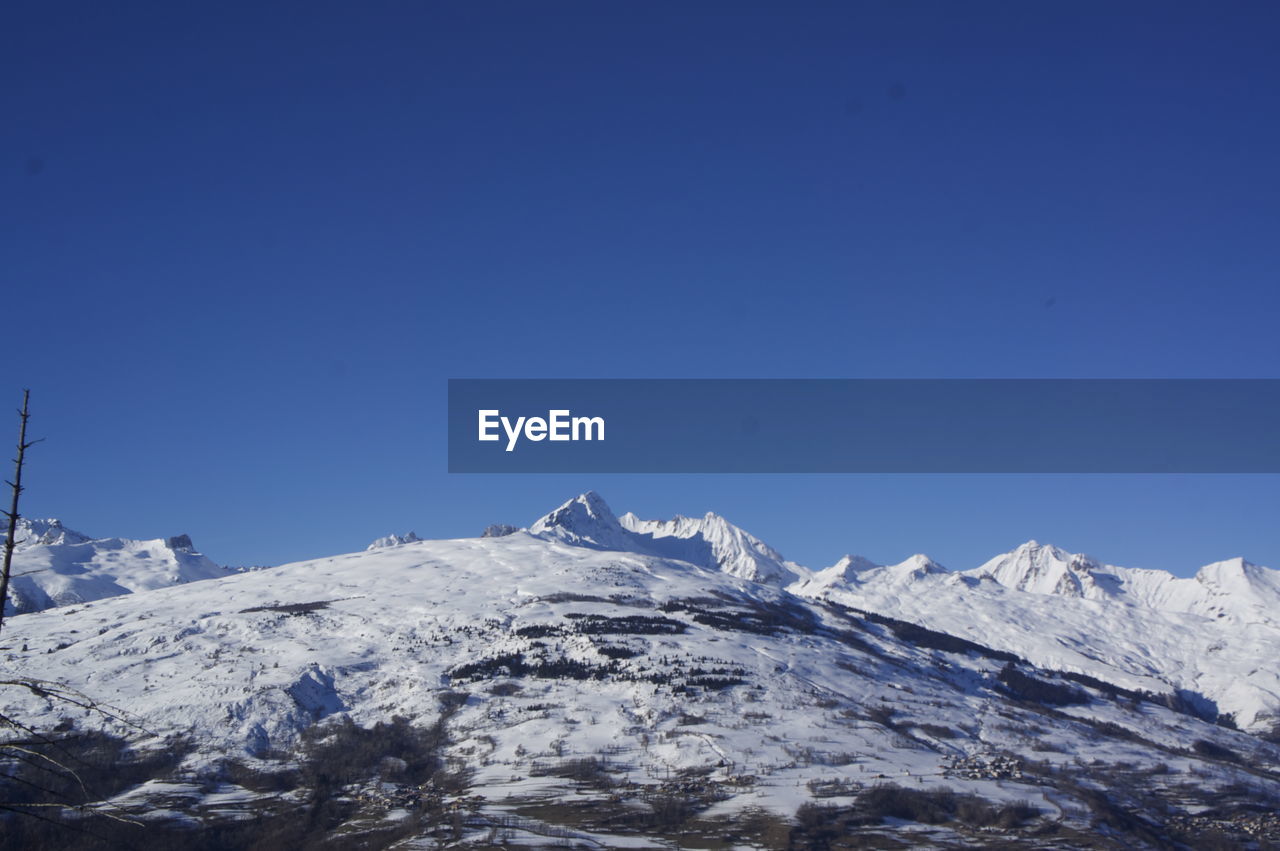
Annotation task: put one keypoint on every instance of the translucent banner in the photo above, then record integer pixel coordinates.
(864, 426)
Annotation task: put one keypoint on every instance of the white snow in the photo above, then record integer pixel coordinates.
(1137, 628)
(393, 541)
(709, 541)
(57, 566)
(589, 635)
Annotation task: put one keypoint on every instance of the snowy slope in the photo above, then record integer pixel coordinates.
(57, 566)
(1210, 639)
(608, 649)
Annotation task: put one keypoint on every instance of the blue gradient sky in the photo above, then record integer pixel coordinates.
(243, 249)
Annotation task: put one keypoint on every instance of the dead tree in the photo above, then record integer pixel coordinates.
(30, 758)
(12, 513)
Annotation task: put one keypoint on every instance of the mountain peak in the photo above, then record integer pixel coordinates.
(588, 506)
(920, 564)
(180, 542)
(1237, 566)
(393, 541)
(847, 571)
(1048, 550)
(32, 532)
(852, 561)
(1243, 579)
(1044, 569)
(594, 503)
(585, 520)
(709, 541)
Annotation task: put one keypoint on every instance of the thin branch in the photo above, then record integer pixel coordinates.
(69, 826)
(14, 778)
(43, 740)
(56, 744)
(33, 758)
(29, 572)
(47, 689)
(13, 809)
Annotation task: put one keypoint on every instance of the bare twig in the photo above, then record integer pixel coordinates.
(47, 689)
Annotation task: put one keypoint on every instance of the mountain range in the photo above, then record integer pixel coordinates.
(603, 681)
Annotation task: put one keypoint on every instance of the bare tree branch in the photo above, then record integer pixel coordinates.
(47, 689)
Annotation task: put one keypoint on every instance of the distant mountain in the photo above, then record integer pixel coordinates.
(710, 541)
(394, 541)
(57, 566)
(1199, 640)
(846, 571)
(731, 550)
(1233, 588)
(1043, 569)
(852, 571)
(31, 532)
(586, 521)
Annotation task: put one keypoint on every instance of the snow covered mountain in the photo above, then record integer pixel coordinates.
(57, 566)
(1201, 640)
(31, 532)
(394, 541)
(574, 684)
(1233, 588)
(711, 541)
(733, 550)
(586, 521)
(1195, 640)
(1044, 569)
(854, 571)
(846, 570)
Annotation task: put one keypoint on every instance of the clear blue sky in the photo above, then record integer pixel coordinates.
(243, 246)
